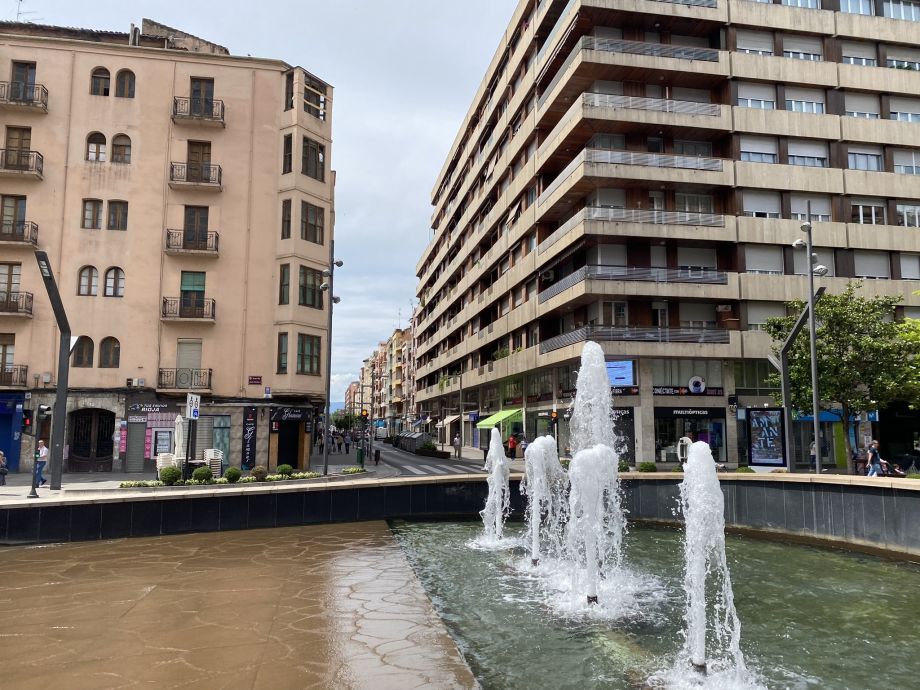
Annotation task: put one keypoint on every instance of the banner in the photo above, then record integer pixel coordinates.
(766, 436)
(250, 422)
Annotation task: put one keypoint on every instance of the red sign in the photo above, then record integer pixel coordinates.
(255, 380)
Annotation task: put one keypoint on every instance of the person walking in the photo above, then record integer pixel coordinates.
(338, 440)
(457, 446)
(348, 441)
(875, 460)
(811, 455)
(3, 469)
(512, 445)
(42, 461)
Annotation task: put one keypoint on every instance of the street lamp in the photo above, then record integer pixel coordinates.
(329, 274)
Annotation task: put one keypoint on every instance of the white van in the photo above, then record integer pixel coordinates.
(380, 433)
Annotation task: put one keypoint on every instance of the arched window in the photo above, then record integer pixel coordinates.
(89, 281)
(95, 147)
(121, 148)
(124, 84)
(114, 282)
(83, 352)
(109, 353)
(99, 82)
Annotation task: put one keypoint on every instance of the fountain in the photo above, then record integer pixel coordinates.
(498, 501)
(543, 485)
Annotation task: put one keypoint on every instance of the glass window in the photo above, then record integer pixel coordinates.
(868, 213)
(95, 147)
(109, 353)
(903, 64)
(118, 215)
(751, 377)
(800, 55)
(810, 4)
(908, 215)
(114, 282)
(312, 220)
(99, 82)
(755, 157)
(314, 97)
(804, 106)
(287, 160)
(88, 284)
(285, 219)
(282, 353)
(284, 284)
(92, 214)
(309, 293)
(902, 9)
(757, 103)
(308, 354)
(808, 161)
(121, 149)
(314, 160)
(83, 353)
(124, 84)
(905, 117)
(865, 161)
(866, 7)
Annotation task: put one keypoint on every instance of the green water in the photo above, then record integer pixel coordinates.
(811, 618)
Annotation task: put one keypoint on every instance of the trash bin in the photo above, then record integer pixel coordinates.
(360, 456)
(377, 456)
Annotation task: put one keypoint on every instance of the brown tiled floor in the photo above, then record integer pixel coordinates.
(325, 607)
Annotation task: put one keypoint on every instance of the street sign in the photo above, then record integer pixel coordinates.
(192, 403)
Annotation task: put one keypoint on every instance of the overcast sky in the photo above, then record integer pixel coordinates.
(404, 73)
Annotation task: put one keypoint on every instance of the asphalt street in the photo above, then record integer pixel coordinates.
(409, 464)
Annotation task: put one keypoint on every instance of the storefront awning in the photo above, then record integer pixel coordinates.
(450, 420)
(497, 418)
(418, 422)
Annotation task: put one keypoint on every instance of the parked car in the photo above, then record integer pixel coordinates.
(380, 433)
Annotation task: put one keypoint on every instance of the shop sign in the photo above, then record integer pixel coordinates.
(137, 419)
(624, 426)
(631, 390)
(698, 412)
(250, 421)
(147, 407)
(290, 414)
(681, 390)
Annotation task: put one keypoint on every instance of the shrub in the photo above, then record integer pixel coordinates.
(353, 470)
(276, 477)
(286, 470)
(247, 480)
(202, 474)
(623, 466)
(305, 475)
(259, 472)
(679, 468)
(744, 469)
(221, 480)
(428, 445)
(139, 485)
(233, 474)
(647, 467)
(913, 475)
(170, 475)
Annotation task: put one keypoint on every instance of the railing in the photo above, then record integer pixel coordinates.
(184, 378)
(632, 215)
(178, 240)
(198, 109)
(195, 173)
(653, 275)
(23, 93)
(16, 302)
(716, 336)
(662, 105)
(551, 37)
(188, 308)
(18, 231)
(14, 375)
(20, 160)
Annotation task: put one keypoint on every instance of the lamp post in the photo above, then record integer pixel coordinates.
(329, 274)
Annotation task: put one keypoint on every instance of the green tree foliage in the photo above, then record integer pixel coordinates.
(864, 361)
(910, 332)
(344, 420)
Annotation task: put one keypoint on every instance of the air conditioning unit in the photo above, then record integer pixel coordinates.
(548, 276)
(724, 308)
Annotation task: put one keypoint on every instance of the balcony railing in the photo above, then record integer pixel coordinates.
(661, 105)
(14, 375)
(19, 160)
(632, 215)
(16, 303)
(198, 109)
(191, 379)
(188, 308)
(18, 231)
(180, 240)
(196, 173)
(653, 275)
(22, 93)
(632, 334)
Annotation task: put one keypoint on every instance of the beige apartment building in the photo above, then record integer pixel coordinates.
(635, 173)
(185, 198)
(388, 378)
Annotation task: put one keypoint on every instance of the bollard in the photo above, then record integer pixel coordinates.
(377, 457)
(360, 456)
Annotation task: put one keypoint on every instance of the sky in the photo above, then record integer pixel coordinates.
(404, 73)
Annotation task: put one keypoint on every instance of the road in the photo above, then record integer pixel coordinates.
(409, 464)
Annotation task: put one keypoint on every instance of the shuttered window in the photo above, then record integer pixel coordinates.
(808, 152)
(761, 204)
(759, 149)
(763, 258)
(861, 105)
(820, 207)
(759, 312)
(825, 258)
(871, 264)
(910, 266)
(756, 42)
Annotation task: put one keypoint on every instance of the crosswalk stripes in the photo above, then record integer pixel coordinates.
(434, 470)
(413, 470)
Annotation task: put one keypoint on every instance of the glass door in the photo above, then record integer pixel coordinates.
(199, 160)
(23, 82)
(191, 297)
(18, 145)
(195, 231)
(12, 215)
(202, 97)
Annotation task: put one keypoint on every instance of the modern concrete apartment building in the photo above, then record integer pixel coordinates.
(389, 375)
(185, 198)
(635, 172)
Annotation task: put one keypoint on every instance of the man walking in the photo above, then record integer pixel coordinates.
(875, 460)
(456, 446)
(348, 440)
(42, 460)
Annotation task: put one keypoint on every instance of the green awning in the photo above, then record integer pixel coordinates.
(497, 418)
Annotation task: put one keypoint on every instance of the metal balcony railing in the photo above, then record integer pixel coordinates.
(653, 275)
(195, 173)
(180, 240)
(661, 105)
(209, 109)
(717, 336)
(18, 231)
(16, 302)
(24, 94)
(19, 160)
(192, 379)
(188, 308)
(14, 375)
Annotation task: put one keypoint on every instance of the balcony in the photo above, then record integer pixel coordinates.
(184, 379)
(185, 242)
(18, 233)
(703, 276)
(22, 96)
(200, 111)
(19, 163)
(16, 304)
(14, 375)
(199, 176)
(188, 309)
(714, 336)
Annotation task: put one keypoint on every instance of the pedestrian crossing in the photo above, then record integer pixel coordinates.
(444, 469)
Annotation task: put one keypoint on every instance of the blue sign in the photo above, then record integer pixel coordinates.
(832, 416)
(621, 373)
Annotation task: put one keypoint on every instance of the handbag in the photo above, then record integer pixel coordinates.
(4, 470)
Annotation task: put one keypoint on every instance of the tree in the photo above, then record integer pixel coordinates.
(863, 359)
(910, 331)
(344, 420)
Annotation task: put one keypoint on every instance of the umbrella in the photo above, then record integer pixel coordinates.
(179, 438)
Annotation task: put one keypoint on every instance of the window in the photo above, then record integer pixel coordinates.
(761, 204)
(757, 103)
(800, 55)
(309, 293)
(282, 352)
(905, 109)
(910, 266)
(191, 295)
(903, 64)
(905, 117)
(308, 351)
(760, 96)
(88, 284)
(870, 264)
(807, 152)
(284, 284)
(865, 158)
(288, 93)
(109, 353)
(751, 377)
(121, 149)
(868, 211)
(83, 353)
(95, 147)
(312, 220)
(759, 312)
(907, 161)
(798, 106)
(858, 53)
(314, 160)
(825, 256)
(114, 282)
(12, 215)
(866, 7)
(864, 105)
(908, 215)
(693, 203)
(759, 149)
(92, 214)
(902, 9)
(820, 207)
(857, 60)
(285, 219)
(124, 84)
(763, 259)
(754, 42)
(99, 82)
(287, 161)
(809, 4)
(692, 148)
(314, 97)
(118, 215)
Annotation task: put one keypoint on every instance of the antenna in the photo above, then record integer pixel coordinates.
(21, 13)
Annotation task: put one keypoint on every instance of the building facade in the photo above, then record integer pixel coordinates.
(352, 398)
(635, 173)
(185, 198)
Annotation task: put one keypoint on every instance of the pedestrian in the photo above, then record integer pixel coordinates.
(457, 446)
(330, 439)
(512, 445)
(3, 469)
(42, 460)
(523, 444)
(338, 440)
(875, 460)
(321, 438)
(811, 454)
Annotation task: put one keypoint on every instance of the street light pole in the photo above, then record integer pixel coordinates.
(813, 338)
(327, 286)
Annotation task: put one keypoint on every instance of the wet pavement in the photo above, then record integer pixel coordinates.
(333, 606)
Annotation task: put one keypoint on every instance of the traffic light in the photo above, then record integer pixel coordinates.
(44, 411)
(27, 421)
(364, 415)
